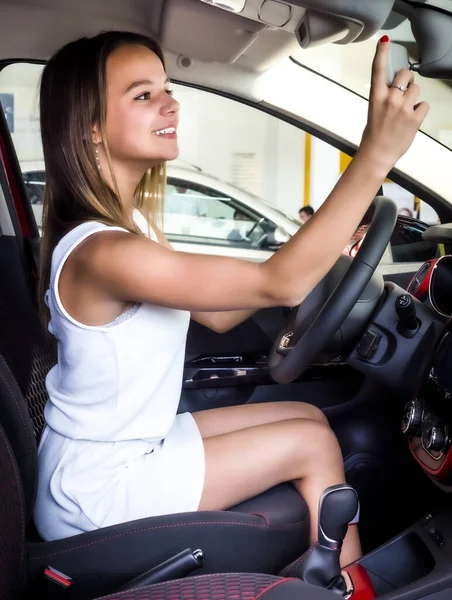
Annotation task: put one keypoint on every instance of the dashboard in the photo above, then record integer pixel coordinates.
(427, 419)
(419, 285)
(432, 284)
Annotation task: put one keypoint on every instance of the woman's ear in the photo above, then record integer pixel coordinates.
(95, 135)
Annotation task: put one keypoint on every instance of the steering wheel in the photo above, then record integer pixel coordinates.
(301, 340)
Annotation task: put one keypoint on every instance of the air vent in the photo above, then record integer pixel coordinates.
(418, 278)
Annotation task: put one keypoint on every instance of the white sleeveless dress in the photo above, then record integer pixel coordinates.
(114, 449)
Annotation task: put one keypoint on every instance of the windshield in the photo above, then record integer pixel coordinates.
(350, 66)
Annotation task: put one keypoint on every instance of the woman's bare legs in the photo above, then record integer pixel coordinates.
(232, 418)
(290, 441)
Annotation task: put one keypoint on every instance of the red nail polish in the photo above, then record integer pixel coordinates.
(384, 39)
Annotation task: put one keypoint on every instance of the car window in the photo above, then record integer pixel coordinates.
(198, 214)
(241, 151)
(406, 244)
(34, 183)
(271, 168)
(414, 216)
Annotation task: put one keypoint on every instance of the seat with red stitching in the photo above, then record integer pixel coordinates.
(223, 586)
(228, 586)
(260, 535)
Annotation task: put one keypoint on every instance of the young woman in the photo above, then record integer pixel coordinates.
(119, 301)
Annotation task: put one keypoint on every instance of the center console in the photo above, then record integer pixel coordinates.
(418, 563)
(427, 420)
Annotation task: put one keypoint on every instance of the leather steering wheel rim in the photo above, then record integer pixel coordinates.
(285, 366)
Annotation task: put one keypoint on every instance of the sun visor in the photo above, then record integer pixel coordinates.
(340, 21)
(205, 33)
(432, 30)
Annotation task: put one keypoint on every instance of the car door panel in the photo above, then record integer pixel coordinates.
(231, 368)
(328, 390)
(254, 336)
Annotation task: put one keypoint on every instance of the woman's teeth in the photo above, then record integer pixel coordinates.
(166, 131)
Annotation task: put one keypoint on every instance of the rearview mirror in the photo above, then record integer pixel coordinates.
(398, 59)
(432, 29)
(340, 22)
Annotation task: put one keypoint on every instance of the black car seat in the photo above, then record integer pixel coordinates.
(261, 535)
(14, 563)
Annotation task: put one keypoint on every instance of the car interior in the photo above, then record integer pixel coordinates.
(370, 346)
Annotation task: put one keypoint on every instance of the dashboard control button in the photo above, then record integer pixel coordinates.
(436, 537)
(434, 438)
(418, 279)
(426, 519)
(368, 344)
(412, 417)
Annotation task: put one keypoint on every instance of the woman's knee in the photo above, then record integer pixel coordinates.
(304, 410)
(317, 440)
(309, 445)
(317, 414)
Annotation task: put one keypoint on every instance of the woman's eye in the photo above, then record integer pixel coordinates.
(144, 96)
(170, 92)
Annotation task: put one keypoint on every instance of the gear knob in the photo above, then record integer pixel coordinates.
(338, 507)
(406, 311)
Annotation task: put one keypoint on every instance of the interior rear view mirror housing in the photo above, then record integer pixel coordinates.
(340, 21)
(397, 60)
(432, 30)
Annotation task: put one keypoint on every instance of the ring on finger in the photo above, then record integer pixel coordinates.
(402, 88)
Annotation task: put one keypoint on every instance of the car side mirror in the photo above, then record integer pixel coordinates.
(281, 236)
(276, 236)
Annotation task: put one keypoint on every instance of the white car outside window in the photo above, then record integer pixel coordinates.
(204, 215)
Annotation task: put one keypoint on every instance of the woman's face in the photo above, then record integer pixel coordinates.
(142, 117)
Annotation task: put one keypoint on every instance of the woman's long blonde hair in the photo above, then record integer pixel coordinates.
(72, 100)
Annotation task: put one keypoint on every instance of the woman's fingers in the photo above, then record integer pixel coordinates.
(394, 117)
(404, 79)
(420, 108)
(379, 67)
(412, 94)
(421, 111)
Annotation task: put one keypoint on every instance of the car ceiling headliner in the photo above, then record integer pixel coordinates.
(34, 29)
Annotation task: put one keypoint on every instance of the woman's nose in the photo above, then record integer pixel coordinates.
(170, 106)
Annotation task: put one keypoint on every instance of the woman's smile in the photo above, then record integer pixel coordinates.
(169, 133)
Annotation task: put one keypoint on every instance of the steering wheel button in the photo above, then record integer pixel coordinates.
(368, 345)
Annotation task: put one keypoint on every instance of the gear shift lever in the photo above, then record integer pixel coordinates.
(406, 311)
(338, 507)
